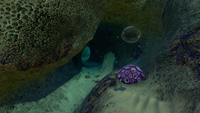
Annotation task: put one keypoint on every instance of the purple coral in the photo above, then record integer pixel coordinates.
(130, 74)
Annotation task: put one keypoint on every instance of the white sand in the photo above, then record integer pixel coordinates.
(143, 97)
(79, 87)
(135, 99)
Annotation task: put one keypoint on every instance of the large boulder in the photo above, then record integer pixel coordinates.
(157, 93)
(172, 21)
(40, 35)
(143, 14)
(171, 69)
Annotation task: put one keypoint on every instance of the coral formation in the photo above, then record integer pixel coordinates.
(40, 35)
(185, 51)
(184, 43)
(32, 31)
(130, 74)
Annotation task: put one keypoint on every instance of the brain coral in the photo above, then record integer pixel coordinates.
(37, 36)
(130, 74)
(30, 32)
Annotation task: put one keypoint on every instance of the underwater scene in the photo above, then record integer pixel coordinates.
(99, 56)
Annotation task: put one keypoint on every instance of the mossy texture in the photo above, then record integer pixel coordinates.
(31, 31)
(37, 36)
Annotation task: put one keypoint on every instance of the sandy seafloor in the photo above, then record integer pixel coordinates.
(157, 93)
(67, 97)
